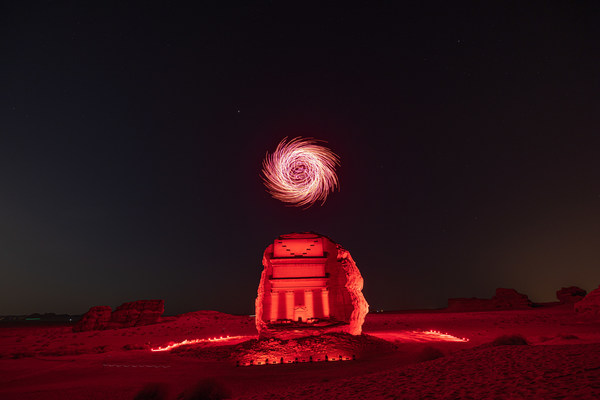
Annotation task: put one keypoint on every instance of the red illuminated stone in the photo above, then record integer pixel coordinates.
(590, 305)
(570, 295)
(96, 318)
(135, 313)
(505, 299)
(309, 285)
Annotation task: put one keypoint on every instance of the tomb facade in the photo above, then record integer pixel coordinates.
(309, 285)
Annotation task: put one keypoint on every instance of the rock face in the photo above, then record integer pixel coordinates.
(135, 313)
(590, 305)
(510, 298)
(570, 295)
(505, 299)
(95, 319)
(309, 285)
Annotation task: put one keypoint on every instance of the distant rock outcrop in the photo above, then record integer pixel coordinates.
(590, 305)
(135, 313)
(95, 319)
(505, 299)
(570, 295)
(510, 298)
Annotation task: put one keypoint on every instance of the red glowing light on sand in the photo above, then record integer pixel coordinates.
(300, 172)
(275, 360)
(437, 335)
(417, 336)
(195, 341)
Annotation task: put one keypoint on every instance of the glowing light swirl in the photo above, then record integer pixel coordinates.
(300, 172)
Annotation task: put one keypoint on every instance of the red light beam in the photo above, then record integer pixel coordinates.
(418, 336)
(196, 341)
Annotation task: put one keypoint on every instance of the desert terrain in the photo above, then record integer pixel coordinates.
(543, 352)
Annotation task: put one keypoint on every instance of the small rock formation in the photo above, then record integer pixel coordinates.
(135, 313)
(309, 285)
(590, 305)
(510, 298)
(570, 295)
(505, 299)
(95, 319)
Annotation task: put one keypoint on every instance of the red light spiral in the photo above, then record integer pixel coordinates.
(300, 172)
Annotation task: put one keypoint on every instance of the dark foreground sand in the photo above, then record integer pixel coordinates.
(560, 361)
(503, 372)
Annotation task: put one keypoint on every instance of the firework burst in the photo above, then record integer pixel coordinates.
(300, 172)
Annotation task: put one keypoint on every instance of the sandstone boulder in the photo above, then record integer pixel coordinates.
(136, 313)
(505, 299)
(590, 305)
(570, 295)
(96, 318)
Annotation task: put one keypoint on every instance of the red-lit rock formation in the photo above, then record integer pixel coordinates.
(135, 313)
(96, 318)
(505, 299)
(570, 295)
(510, 298)
(309, 285)
(590, 305)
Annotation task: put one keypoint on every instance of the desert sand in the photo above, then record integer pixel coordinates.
(545, 352)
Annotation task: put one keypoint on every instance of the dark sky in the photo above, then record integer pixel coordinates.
(132, 135)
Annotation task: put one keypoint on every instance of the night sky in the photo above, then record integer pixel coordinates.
(132, 136)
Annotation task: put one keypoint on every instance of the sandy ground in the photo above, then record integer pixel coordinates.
(561, 361)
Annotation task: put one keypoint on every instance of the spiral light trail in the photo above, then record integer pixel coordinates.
(300, 172)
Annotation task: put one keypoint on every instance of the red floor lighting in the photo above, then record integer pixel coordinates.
(196, 341)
